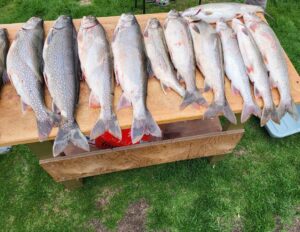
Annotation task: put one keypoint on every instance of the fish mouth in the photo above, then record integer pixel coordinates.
(154, 23)
(173, 14)
(89, 22)
(62, 21)
(3, 31)
(127, 17)
(32, 23)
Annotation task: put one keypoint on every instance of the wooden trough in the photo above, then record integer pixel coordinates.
(186, 135)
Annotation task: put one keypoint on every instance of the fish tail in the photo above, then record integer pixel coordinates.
(289, 107)
(45, 125)
(111, 125)
(269, 113)
(216, 109)
(144, 126)
(193, 97)
(69, 133)
(248, 110)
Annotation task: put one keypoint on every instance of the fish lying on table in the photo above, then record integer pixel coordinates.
(157, 52)
(208, 52)
(130, 70)
(3, 54)
(180, 45)
(274, 59)
(256, 70)
(97, 67)
(62, 75)
(213, 12)
(24, 67)
(236, 71)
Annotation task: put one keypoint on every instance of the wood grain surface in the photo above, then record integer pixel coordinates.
(16, 128)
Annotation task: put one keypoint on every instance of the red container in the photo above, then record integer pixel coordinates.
(108, 141)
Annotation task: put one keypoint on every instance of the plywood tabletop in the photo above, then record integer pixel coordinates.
(16, 128)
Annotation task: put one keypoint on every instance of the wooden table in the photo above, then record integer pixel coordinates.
(180, 144)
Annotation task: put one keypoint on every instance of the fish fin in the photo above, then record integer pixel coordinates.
(46, 80)
(206, 87)
(289, 107)
(24, 107)
(115, 34)
(273, 83)
(111, 125)
(216, 110)
(94, 101)
(250, 69)
(69, 134)
(117, 76)
(124, 102)
(269, 113)
(164, 87)
(5, 78)
(145, 34)
(196, 29)
(265, 58)
(145, 126)
(50, 36)
(234, 90)
(193, 97)
(45, 126)
(180, 78)
(55, 108)
(249, 109)
(256, 93)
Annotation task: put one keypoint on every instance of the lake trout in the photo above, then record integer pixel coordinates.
(236, 71)
(97, 67)
(213, 12)
(180, 45)
(208, 52)
(157, 52)
(62, 76)
(256, 70)
(274, 59)
(131, 73)
(24, 67)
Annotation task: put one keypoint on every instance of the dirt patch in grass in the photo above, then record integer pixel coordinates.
(107, 194)
(240, 152)
(85, 2)
(98, 226)
(295, 227)
(135, 217)
(238, 225)
(278, 224)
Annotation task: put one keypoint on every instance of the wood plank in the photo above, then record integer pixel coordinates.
(141, 155)
(16, 128)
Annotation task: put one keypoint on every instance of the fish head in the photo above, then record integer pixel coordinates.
(33, 23)
(153, 23)
(173, 14)
(221, 25)
(88, 22)
(127, 20)
(62, 21)
(191, 11)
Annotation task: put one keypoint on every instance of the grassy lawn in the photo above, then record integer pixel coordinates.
(256, 188)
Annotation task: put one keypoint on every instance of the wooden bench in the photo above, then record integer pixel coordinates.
(186, 135)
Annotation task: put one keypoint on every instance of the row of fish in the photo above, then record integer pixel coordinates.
(171, 53)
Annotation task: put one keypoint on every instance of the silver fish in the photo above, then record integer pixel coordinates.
(97, 67)
(274, 59)
(236, 71)
(3, 54)
(157, 52)
(62, 77)
(256, 70)
(24, 67)
(130, 70)
(208, 52)
(213, 12)
(180, 45)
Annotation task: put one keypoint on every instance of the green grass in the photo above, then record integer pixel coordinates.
(248, 189)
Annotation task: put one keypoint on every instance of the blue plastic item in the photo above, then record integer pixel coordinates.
(288, 126)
